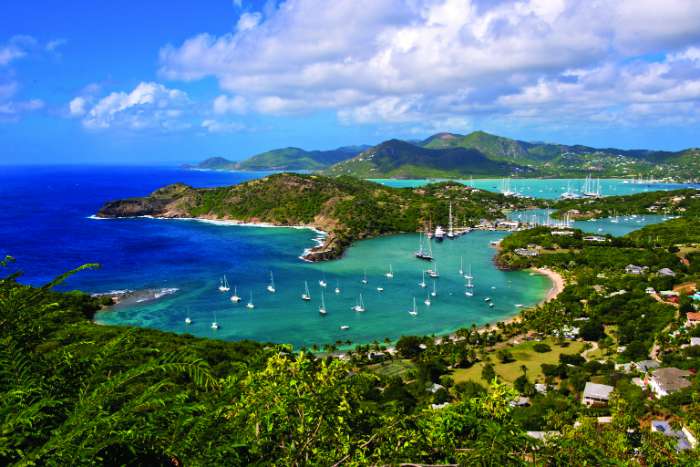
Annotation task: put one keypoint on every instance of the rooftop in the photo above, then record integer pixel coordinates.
(671, 379)
(597, 391)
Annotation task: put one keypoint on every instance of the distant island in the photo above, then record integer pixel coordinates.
(283, 159)
(478, 154)
(346, 208)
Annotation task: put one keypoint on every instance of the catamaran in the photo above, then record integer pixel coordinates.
(250, 302)
(223, 285)
(271, 286)
(434, 292)
(422, 283)
(414, 311)
(390, 273)
(360, 305)
(235, 298)
(322, 308)
(306, 296)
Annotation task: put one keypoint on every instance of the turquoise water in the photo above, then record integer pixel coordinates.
(605, 225)
(547, 188)
(284, 317)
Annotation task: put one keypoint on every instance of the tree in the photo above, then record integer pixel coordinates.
(488, 373)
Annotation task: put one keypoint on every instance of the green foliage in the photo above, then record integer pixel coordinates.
(541, 347)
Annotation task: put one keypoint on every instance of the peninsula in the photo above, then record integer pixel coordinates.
(346, 208)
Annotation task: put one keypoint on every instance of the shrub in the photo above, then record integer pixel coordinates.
(541, 347)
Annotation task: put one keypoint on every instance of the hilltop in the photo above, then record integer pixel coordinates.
(289, 158)
(346, 208)
(483, 154)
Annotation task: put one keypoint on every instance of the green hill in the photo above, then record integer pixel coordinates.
(284, 159)
(399, 159)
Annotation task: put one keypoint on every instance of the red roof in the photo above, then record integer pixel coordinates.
(693, 316)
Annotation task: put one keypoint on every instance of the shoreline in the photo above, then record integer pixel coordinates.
(558, 283)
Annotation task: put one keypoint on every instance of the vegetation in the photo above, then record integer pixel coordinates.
(482, 154)
(330, 204)
(283, 159)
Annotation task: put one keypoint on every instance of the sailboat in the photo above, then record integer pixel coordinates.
(322, 308)
(337, 286)
(214, 324)
(271, 286)
(424, 253)
(469, 292)
(250, 302)
(188, 320)
(235, 298)
(427, 301)
(306, 295)
(364, 279)
(434, 292)
(414, 311)
(468, 275)
(461, 266)
(223, 285)
(434, 272)
(323, 282)
(450, 229)
(380, 289)
(422, 283)
(360, 305)
(390, 274)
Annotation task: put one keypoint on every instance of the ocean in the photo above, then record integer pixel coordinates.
(46, 226)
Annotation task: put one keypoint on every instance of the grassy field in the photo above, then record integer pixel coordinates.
(524, 355)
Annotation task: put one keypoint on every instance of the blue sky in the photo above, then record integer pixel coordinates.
(169, 82)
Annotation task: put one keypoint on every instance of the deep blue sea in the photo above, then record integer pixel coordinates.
(45, 224)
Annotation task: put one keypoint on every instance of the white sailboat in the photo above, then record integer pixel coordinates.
(223, 285)
(469, 292)
(188, 320)
(424, 253)
(427, 301)
(250, 304)
(414, 311)
(461, 266)
(422, 283)
(434, 292)
(235, 298)
(306, 296)
(364, 278)
(380, 289)
(337, 286)
(434, 272)
(360, 305)
(468, 275)
(271, 286)
(214, 324)
(344, 327)
(450, 228)
(323, 282)
(322, 308)
(390, 273)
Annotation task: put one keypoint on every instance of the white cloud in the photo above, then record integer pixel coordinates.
(214, 126)
(224, 104)
(407, 60)
(148, 105)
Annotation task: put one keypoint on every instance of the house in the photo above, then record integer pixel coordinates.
(541, 388)
(645, 365)
(526, 252)
(521, 401)
(595, 238)
(663, 427)
(565, 233)
(634, 269)
(666, 272)
(435, 388)
(596, 394)
(650, 290)
(694, 341)
(692, 319)
(543, 436)
(665, 381)
(695, 296)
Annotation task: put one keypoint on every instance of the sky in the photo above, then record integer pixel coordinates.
(165, 82)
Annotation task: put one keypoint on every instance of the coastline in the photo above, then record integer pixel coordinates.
(558, 283)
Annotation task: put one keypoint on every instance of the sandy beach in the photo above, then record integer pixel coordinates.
(558, 283)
